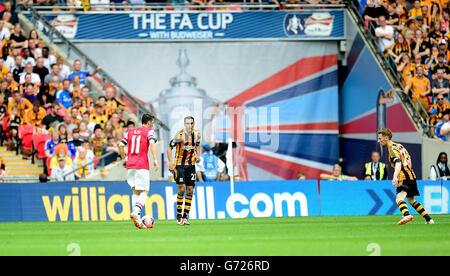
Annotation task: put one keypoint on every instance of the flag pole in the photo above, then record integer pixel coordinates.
(230, 167)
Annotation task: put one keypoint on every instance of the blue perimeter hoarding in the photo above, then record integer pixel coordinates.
(92, 201)
(322, 24)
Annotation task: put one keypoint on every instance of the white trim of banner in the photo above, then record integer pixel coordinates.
(401, 137)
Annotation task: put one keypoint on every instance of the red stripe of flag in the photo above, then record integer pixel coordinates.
(294, 72)
(282, 168)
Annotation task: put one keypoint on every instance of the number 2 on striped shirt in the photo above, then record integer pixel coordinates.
(135, 143)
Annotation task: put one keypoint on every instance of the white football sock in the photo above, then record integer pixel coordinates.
(133, 199)
(140, 203)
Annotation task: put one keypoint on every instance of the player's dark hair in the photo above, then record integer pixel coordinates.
(147, 118)
(189, 118)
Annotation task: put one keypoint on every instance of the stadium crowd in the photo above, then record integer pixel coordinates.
(127, 5)
(415, 37)
(46, 109)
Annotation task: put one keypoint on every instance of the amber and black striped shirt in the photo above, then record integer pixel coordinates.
(398, 153)
(185, 147)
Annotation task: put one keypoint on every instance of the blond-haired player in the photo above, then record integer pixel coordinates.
(404, 178)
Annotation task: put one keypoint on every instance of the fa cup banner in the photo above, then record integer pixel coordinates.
(318, 24)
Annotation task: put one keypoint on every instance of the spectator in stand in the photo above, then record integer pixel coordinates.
(111, 147)
(4, 31)
(64, 70)
(115, 122)
(432, 121)
(392, 18)
(52, 116)
(405, 67)
(87, 103)
(54, 86)
(86, 119)
(76, 138)
(122, 121)
(72, 150)
(98, 141)
(112, 102)
(68, 123)
(63, 97)
(35, 51)
(437, 34)
(375, 169)
(18, 39)
(35, 115)
(28, 69)
(18, 68)
(22, 86)
(10, 61)
(98, 116)
(336, 174)
(80, 164)
(19, 102)
(40, 69)
(55, 72)
(33, 35)
(109, 129)
(85, 135)
(89, 153)
(400, 46)
(14, 121)
(440, 86)
(74, 111)
(48, 59)
(440, 170)
(12, 84)
(421, 88)
(441, 131)
(6, 18)
(8, 8)
(62, 172)
(415, 11)
(301, 176)
(441, 106)
(443, 49)
(83, 74)
(373, 11)
(385, 34)
(45, 97)
(130, 126)
(39, 46)
(440, 65)
(29, 93)
(5, 91)
(75, 88)
(422, 46)
(418, 62)
(3, 68)
(62, 130)
(51, 143)
(27, 58)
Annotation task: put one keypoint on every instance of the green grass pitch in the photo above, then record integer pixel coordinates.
(293, 236)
